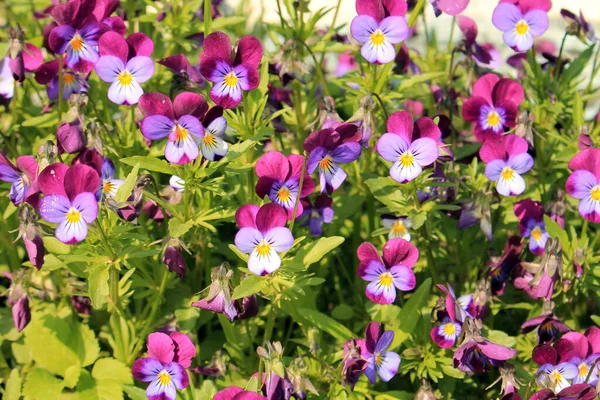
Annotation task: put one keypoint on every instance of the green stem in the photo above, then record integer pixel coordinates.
(207, 17)
(450, 43)
(299, 192)
(380, 101)
(560, 52)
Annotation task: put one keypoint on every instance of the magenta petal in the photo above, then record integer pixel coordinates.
(189, 103)
(146, 369)
(496, 351)
(161, 347)
(51, 179)
(65, 13)
(156, 127)
(228, 394)
(485, 86)
(28, 165)
(53, 208)
(452, 7)
(217, 45)
(588, 159)
(32, 57)
(439, 339)
(141, 45)
(401, 123)
(273, 165)
(492, 150)
(593, 336)
(468, 27)
(245, 216)
(371, 8)
(21, 313)
(426, 128)
(156, 103)
(264, 185)
(366, 251)
(249, 52)
(81, 178)
(400, 252)
(472, 109)
(514, 145)
(372, 335)
(528, 208)
(270, 216)
(35, 250)
(580, 343)
(507, 89)
(113, 44)
(185, 350)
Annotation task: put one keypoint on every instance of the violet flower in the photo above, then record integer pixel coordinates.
(557, 377)
(531, 224)
(502, 269)
(108, 185)
(379, 25)
(219, 295)
(458, 309)
(584, 183)
(353, 363)
(23, 178)
(173, 258)
(317, 214)
(180, 65)
(469, 29)
(31, 233)
(398, 226)
(47, 74)
(381, 362)
(586, 367)
(573, 392)
(548, 327)
(21, 313)
(507, 160)
(388, 273)
(279, 179)
(230, 76)
(329, 147)
(447, 332)
(69, 199)
(410, 147)
(164, 368)
(70, 137)
(519, 28)
(263, 235)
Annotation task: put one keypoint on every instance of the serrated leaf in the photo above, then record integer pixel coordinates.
(72, 376)
(249, 286)
(12, 389)
(42, 385)
(98, 285)
(109, 369)
(411, 312)
(150, 163)
(126, 188)
(325, 323)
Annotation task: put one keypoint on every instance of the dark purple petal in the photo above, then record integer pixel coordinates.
(81, 178)
(249, 52)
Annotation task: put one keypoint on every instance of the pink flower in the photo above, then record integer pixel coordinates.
(531, 224)
(584, 183)
(507, 160)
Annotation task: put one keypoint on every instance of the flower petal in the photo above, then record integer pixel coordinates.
(270, 216)
(404, 278)
(362, 27)
(247, 239)
(400, 252)
(156, 126)
(370, 270)
(425, 151)
(390, 146)
(538, 22)
(580, 183)
(87, 205)
(388, 367)
(161, 347)
(81, 178)
(262, 265)
(273, 165)
(146, 369)
(156, 103)
(493, 169)
(506, 16)
(521, 163)
(395, 29)
(108, 67)
(185, 350)
(53, 208)
(249, 52)
(280, 238)
(141, 67)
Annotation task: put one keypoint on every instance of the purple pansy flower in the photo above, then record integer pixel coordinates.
(69, 200)
(379, 25)
(557, 377)
(584, 367)
(180, 65)
(173, 258)
(230, 76)
(458, 309)
(469, 29)
(108, 185)
(77, 34)
(493, 106)
(502, 269)
(354, 363)
(317, 214)
(219, 295)
(164, 368)
(507, 160)
(450, 7)
(548, 327)
(584, 183)
(47, 74)
(125, 64)
(279, 179)
(380, 362)
(409, 146)
(263, 235)
(573, 392)
(519, 28)
(177, 183)
(328, 148)
(388, 273)
(23, 177)
(7, 81)
(531, 224)
(237, 393)
(447, 332)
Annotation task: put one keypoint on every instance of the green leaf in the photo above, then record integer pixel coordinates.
(150, 163)
(106, 381)
(320, 248)
(98, 285)
(126, 188)
(387, 191)
(12, 389)
(249, 286)
(53, 245)
(72, 376)
(135, 393)
(42, 385)
(325, 323)
(109, 369)
(42, 121)
(555, 231)
(576, 66)
(411, 312)
(502, 338)
(178, 228)
(242, 256)
(39, 338)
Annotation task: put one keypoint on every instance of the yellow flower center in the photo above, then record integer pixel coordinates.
(107, 187)
(449, 329)
(73, 216)
(386, 279)
(209, 139)
(125, 78)
(556, 377)
(284, 194)
(398, 228)
(77, 43)
(493, 119)
(595, 193)
(180, 132)
(507, 173)
(536, 233)
(263, 248)
(407, 159)
(231, 79)
(164, 378)
(378, 359)
(326, 163)
(377, 38)
(68, 78)
(583, 369)
(522, 27)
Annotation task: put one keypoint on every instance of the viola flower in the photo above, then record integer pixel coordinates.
(379, 25)
(219, 296)
(47, 74)
(450, 7)
(70, 138)
(398, 226)
(446, 334)
(354, 363)
(519, 28)
(493, 106)
(557, 376)
(21, 313)
(164, 368)
(279, 179)
(507, 160)
(180, 65)
(31, 233)
(23, 177)
(346, 63)
(479, 53)
(179, 121)
(177, 184)
(237, 393)
(531, 224)
(230, 76)
(584, 183)
(458, 309)
(548, 327)
(318, 214)
(125, 64)
(502, 269)
(584, 368)
(381, 362)
(7, 82)
(263, 235)
(173, 258)
(410, 147)
(77, 34)
(329, 147)
(108, 185)
(69, 199)
(393, 271)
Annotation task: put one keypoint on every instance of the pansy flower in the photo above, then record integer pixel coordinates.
(460, 308)
(380, 361)
(557, 376)
(77, 33)
(164, 368)
(230, 75)
(317, 214)
(410, 147)
(531, 224)
(353, 363)
(450, 7)
(180, 65)
(69, 200)
(493, 106)
(108, 185)
(506, 160)
(327, 149)
(447, 332)
(379, 25)
(47, 74)
(398, 226)
(548, 327)
(279, 179)
(263, 235)
(7, 81)
(237, 393)
(468, 27)
(584, 183)
(586, 367)
(502, 269)
(177, 183)
(23, 178)
(389, 273)
(519, 28)
(125, 64)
